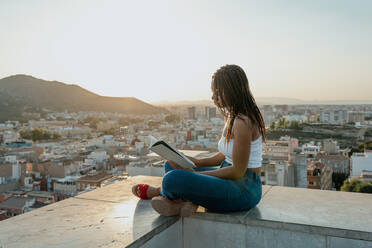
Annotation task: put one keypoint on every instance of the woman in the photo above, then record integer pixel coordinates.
(233, 186)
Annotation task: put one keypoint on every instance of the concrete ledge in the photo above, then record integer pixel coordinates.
(113, 217)
(338, 214)
(105, 217)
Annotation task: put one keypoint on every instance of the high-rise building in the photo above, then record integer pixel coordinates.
(334, 116)
(356, 116)
(192, 113)
(210, 112)
(298, 170)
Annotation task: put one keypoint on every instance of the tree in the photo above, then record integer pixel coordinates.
(368, 132)
(285, 124)
(294, 125)
(357, 185)
(39, 134)
(153, 124)
(338, 179)
(111, 131)
(172, 118)
(272, 126)
(281, 123)
(92, 122)
(361, 148)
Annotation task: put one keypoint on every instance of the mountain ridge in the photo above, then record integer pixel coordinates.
(24, 93)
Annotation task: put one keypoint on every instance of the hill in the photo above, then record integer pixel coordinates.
(23, 93)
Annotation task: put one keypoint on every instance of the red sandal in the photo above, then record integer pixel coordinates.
(143, 189)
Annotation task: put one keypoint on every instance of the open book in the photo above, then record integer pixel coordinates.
(166, 151)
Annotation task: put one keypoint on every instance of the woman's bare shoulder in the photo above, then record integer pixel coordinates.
(242, 125)
(245, 124)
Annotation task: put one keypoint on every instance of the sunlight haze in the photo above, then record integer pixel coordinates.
(168, 50)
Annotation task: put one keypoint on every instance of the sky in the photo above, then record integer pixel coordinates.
(167, 50)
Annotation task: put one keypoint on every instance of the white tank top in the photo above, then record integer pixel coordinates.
(255, 156)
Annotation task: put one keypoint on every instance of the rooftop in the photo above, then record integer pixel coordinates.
(98, 177)
(15, 202)
(112, 217)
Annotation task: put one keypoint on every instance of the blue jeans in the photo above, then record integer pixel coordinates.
(213, 193)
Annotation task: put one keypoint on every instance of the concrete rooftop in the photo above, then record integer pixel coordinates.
(112, 217)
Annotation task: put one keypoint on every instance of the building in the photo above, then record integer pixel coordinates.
(92, 179)
(319, 176)
(338, 116)
(43, 196)
(338, 162)
(17, 205)
(107, 125)
(274, 172)
(3, 215)
(366, 176)
(356, 116)
(330, 146)
(65, 187)
(210, 112)
(10, 136)
(191, 113)
(310, 149)
(10, 174)
(360, 162)
(99, 156)
(280, 149)
(281, 108)
(297, 170)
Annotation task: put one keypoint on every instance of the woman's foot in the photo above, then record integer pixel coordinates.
(167, 207)
(150, 191)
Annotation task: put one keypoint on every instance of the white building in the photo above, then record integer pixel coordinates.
(300, 118)
(360, 162)
(332, 116)
(275, 173)
(11, 159)
(310, 149)
(66, 185)
(10, 136)
(98, 156)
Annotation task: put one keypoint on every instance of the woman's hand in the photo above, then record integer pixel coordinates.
(194, 160)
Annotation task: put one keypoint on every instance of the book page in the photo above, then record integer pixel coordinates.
(172, 154)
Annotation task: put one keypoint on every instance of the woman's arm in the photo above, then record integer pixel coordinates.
(211, 161)
(241, 151)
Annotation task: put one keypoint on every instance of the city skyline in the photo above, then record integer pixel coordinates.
(305, 50)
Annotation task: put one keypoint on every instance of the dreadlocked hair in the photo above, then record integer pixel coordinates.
(230, 86)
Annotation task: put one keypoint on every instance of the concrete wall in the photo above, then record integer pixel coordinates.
(197, 233)
(170, 237)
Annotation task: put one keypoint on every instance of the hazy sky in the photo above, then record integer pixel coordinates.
(168, 50)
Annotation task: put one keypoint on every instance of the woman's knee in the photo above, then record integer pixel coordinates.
(173, 179)
(167, 167)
